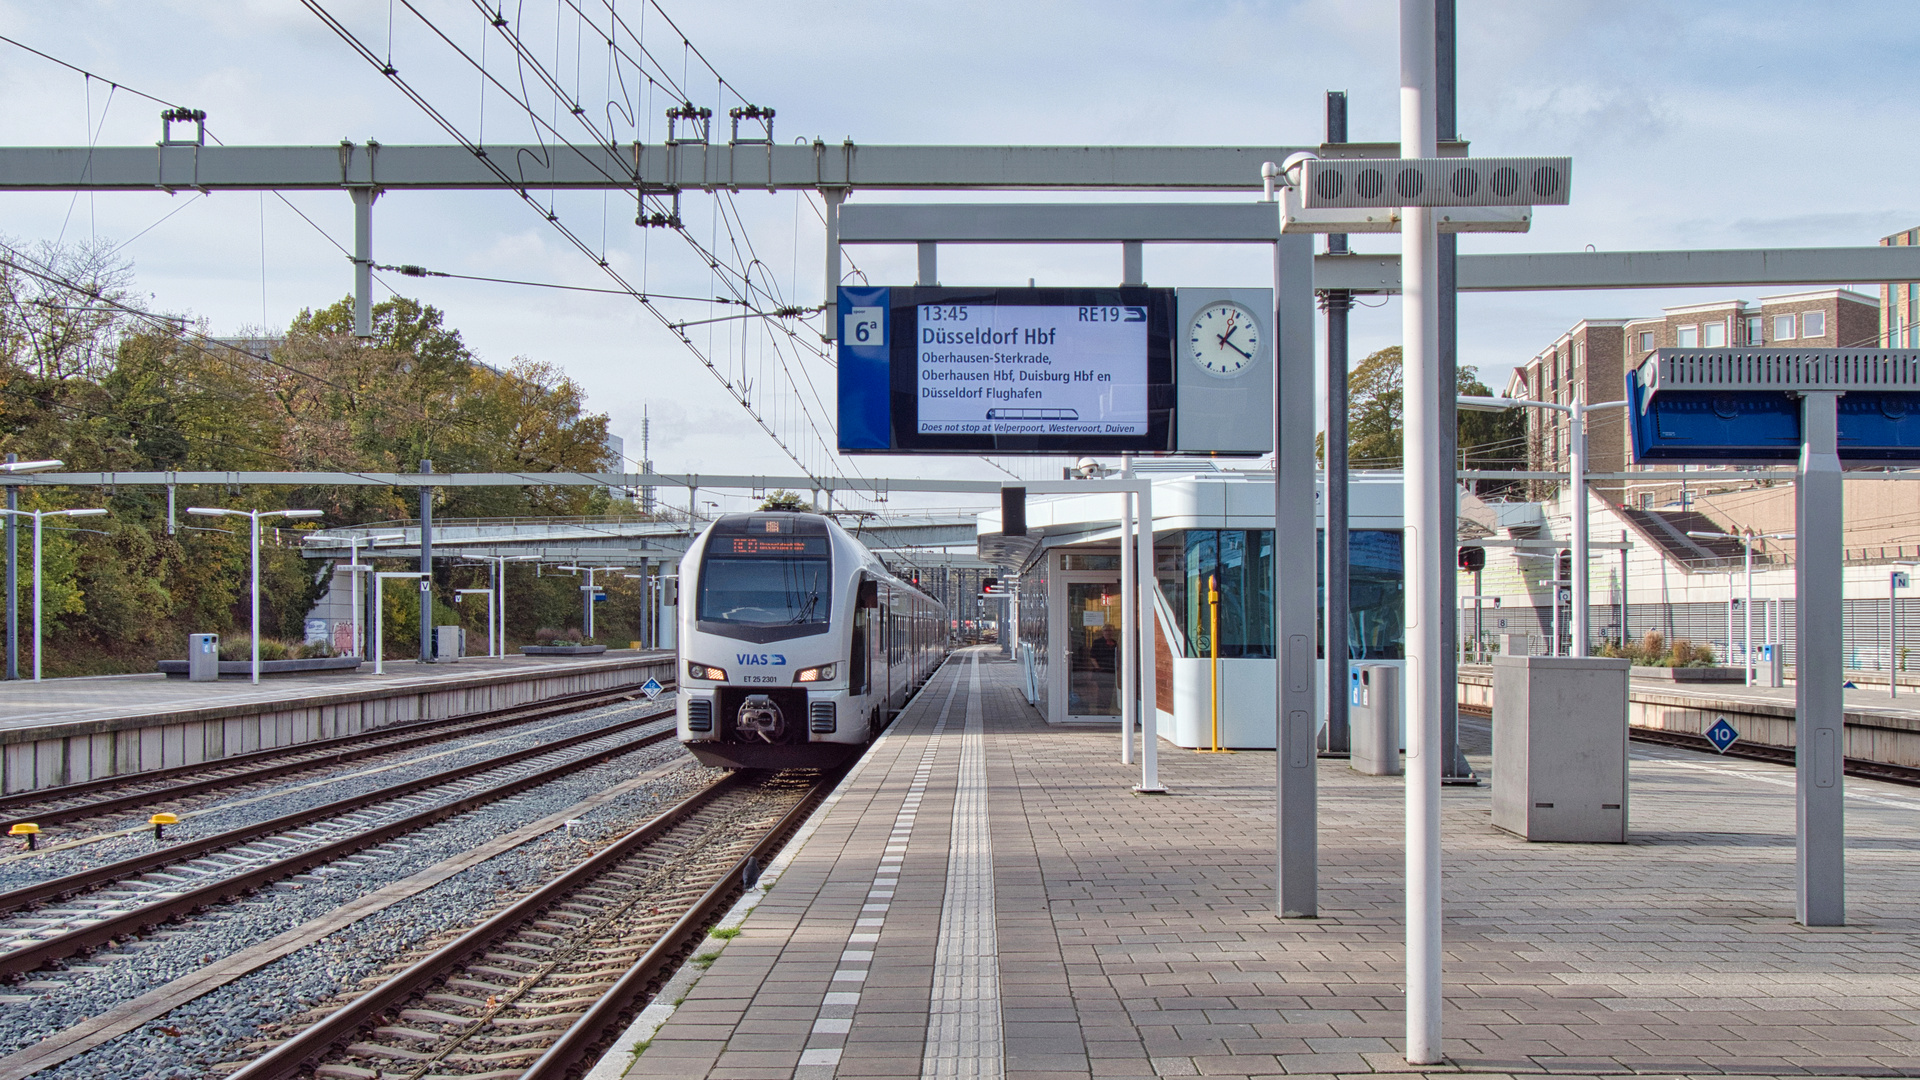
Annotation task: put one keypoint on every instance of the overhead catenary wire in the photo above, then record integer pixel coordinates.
(453, 130)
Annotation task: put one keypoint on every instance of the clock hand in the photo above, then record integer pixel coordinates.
(1236, 348)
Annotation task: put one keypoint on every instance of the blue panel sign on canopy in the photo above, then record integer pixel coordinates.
(1741, 406)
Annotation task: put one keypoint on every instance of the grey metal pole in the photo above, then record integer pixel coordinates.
(1819, 500)
(1746, 669)
(13, 578)
(1453, 763)
(830, 198)
(254, 588)
(1337, 303)
(1297, 765)
(1427, 561)
(362, 261)
(426, 565)
(1135, 610)
(586, 617)
(1893, 628)
(1577, 481)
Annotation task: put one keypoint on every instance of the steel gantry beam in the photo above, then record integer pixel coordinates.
(684, 166)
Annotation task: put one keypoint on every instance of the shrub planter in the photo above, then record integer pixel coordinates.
(243, 669)
(562, 650)
(1690, 674)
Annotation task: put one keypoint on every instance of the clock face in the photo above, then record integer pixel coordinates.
(1223, 338)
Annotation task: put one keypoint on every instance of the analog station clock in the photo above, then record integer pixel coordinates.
(1223, 338)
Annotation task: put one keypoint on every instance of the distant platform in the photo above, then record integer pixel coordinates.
(60, 731)
(987, 897)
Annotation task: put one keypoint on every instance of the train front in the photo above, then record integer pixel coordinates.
(765, 659)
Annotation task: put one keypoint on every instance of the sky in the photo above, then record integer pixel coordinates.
(1697, 125)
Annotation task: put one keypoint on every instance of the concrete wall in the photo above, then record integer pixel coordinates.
(50, 755)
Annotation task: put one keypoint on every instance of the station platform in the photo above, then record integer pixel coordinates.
(60, 731)
(987, 897)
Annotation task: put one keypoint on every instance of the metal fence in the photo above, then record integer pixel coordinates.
(1866, 641)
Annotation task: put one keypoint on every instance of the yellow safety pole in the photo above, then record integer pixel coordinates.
(1213, 641)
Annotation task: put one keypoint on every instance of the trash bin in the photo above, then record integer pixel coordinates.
(203, 657)
(1772, 666)
(1560, 748)
(1374, 720)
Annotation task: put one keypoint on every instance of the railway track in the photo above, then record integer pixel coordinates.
(539, 989)
(124, 898)
(1779, 755)
(56, 805)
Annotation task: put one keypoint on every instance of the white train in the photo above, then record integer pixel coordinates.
(797, 644)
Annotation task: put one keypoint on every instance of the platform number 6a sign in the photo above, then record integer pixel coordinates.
(865, 326)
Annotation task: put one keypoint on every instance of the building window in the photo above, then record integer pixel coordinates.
(1689, 337)
(1813, 324)
(1713, 335)
(1783, 328)
(1646, 341)
(1754, 329)
(1646, 500)
(1579, 358)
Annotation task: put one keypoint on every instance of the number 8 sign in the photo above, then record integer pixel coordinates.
(865, 326)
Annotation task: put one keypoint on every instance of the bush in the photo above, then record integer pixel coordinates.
(240, 647)
(547, 635)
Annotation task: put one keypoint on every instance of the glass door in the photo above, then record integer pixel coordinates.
(1093, 639)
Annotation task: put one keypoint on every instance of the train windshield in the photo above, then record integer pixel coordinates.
(766, 583)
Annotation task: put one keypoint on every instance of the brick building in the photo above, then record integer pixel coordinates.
(1595, 355)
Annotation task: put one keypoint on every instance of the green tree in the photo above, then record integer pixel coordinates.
(782, 499)
(1486, 440)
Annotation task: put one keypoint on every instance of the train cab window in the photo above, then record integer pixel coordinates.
(782, 583)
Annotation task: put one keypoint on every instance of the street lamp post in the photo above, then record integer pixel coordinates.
(354, 569)
(499, 565)
(1577, 477)
(38, 516)
(1746, 537)
(461, 594)
(11, 466)
(380, 580)
(587, 590)
(253, 517)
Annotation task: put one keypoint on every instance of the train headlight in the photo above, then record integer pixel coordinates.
(814, 674)
(702, 671)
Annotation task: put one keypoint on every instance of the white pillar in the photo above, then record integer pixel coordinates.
(1424, 558)
(254, 519)
(1149, 690)
(37, 641)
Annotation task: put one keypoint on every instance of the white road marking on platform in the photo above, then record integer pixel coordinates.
(964, 1039)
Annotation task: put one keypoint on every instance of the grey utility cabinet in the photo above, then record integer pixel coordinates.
(449, 644)
(1560, 748)
(1374, 712)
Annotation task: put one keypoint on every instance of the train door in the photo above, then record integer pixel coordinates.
(860, 674)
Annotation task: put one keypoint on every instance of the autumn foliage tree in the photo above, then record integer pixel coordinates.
(82, 381)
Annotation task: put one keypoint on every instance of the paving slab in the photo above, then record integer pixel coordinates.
(989, 898)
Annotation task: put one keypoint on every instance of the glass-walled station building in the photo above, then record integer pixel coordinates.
(1066, 573)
